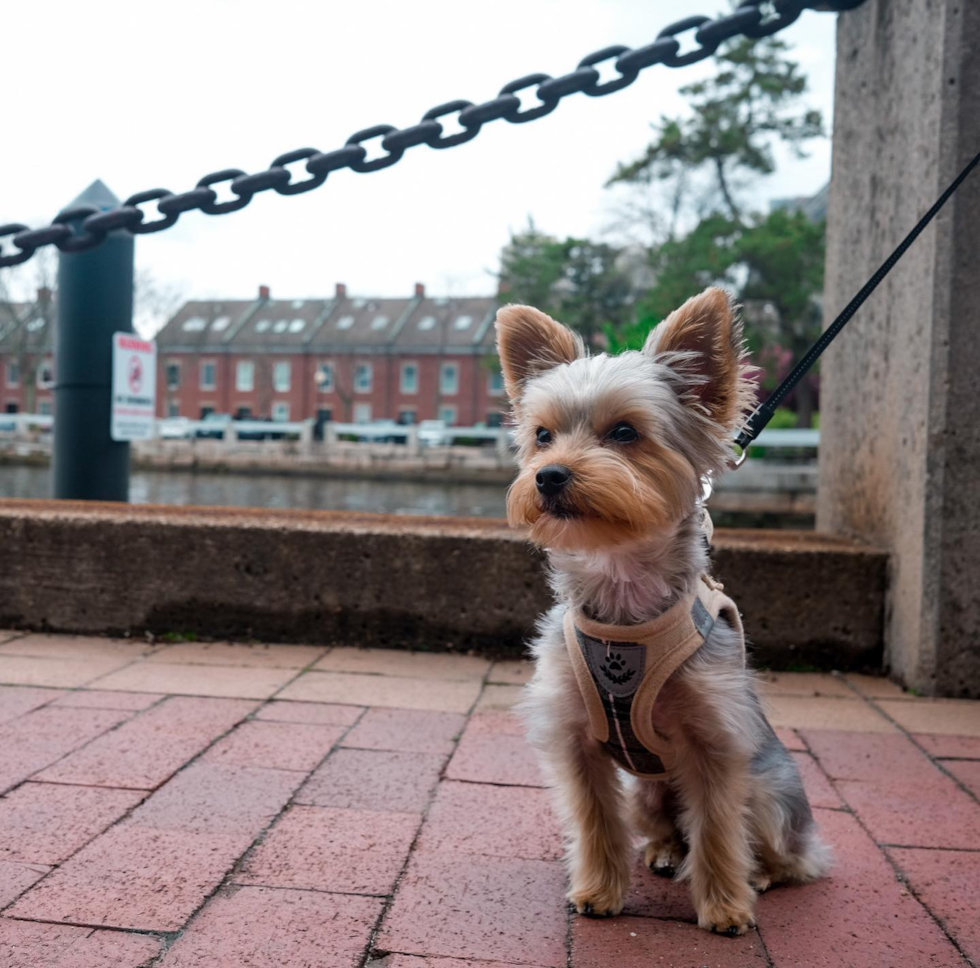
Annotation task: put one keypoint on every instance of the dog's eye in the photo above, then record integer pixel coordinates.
(623, 433)
(543, 436)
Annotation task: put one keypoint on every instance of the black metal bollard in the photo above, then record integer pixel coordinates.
(95, 300)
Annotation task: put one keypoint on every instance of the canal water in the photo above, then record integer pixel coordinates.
(239, 490)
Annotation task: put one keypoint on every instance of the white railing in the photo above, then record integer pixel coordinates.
(13, 425)
(22, 424)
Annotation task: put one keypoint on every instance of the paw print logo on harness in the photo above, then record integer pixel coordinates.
(613, 669)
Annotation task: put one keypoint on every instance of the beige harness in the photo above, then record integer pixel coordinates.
(621, 669)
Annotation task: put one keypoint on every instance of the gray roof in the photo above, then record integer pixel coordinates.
(201, 324)
(343, 324)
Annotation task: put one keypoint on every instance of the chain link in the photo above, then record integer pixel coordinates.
(84, 228)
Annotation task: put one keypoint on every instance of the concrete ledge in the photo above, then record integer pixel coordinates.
(378, 580)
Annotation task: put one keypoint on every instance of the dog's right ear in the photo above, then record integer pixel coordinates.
(530, 342)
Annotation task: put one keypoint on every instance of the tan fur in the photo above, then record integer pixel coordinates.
(530, 341)
(708, 330)
(626, 540)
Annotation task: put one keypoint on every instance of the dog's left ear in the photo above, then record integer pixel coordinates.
(703, 340)
(530, 342)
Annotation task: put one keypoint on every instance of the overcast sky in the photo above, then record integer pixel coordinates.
(149, 94)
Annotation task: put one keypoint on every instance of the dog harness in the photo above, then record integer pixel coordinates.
(620, 670)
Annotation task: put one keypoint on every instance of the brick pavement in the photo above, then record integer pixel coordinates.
(202, 806)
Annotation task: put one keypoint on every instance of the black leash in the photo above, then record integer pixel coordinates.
(764, 412)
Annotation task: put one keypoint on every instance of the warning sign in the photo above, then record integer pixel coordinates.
(134, 387)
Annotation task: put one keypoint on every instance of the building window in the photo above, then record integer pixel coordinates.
(463, 322)
(362, 413)
(449, 379)
(173, 376)
(495, 419)
(243, 413)
(173, 409)
(345, 322)
(447, 415)
(13, 374)
(324, 378)
(410, 378)
(363, 377)
(206, 411)
(245, 376)
(280, 412)
(282, 376)
(379, 322)
(209, 375)
(495, 383)
(427, 322)
(45, 376)
(407, 416)
(44, 408)
(11, 407)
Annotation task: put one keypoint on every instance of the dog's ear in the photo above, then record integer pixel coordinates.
(703, 341)
(530, 342)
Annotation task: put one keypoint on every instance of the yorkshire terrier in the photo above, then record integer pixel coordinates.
(640, 666)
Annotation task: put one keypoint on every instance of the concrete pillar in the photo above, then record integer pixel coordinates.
(900, 393)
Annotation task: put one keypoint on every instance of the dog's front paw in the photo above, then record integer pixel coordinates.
(730, 919)
(598, 902)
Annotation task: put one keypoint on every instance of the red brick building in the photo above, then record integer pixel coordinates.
(346, 358)
(27, 355)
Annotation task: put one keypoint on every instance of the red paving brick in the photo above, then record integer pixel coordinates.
(134, 877)
(909, 814)
(17, 700)
(40, 738)
(313, 713)
(100, 699)
(414, 961)
(24, 944)
(325, 849)
(860, 916)
(791, 739)
(276, 746)
(45, 823)
(17, 878)
(486, 908)
(493, 750)
(641, 943)
(869, 756)
(948, 883)
(407, 730)
(968, 773)
(373, 780)
(818, 788)
(208, 798)
(153, 745)
(965, 747)
(471, 818)
(262, 927)
(653, 896)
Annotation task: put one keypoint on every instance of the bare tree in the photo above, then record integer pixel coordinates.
(154, 302)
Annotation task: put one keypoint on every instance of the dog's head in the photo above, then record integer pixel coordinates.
(612, 448)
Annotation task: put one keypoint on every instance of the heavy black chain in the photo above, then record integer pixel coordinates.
(83, 228)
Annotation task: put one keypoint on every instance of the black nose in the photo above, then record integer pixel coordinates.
(552, 479)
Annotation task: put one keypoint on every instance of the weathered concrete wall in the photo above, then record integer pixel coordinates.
(900, 448)
(373, 580)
